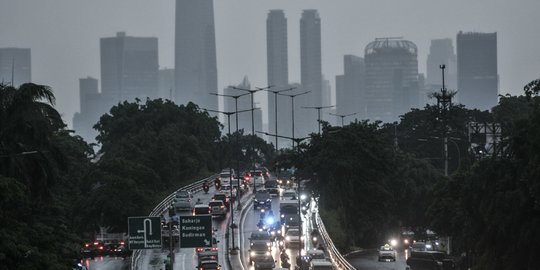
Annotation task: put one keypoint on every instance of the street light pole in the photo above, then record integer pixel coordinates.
(319, 108)
(228, 114)
(236, 97)
(276, 92)
(343, 116)
(252, 92)
(292, 109)
(444, 102)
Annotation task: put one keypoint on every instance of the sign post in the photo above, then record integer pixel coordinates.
(144, 233)
(195, 231)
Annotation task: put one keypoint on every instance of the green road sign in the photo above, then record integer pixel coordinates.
(195, 231)
(144, 233)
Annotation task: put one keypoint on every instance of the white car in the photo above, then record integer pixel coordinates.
(183, 201)
(386, 253)
(292, 238)
(217, 208)
(288, 194)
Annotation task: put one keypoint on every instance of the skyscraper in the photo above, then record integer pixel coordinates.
(391, 78)
(15, 64)
(129, 68)
(278, 74)
(90, 109)
(310, 69)
(350, 87)
(441, 52)
(276, 49)
(478, 80)
(195, 53)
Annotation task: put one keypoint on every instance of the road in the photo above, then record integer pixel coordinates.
(106, 263)
(368, 260)
(249, 225)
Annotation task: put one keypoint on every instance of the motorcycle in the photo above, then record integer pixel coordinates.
(285, 260)
(217, 184)
(206, 188)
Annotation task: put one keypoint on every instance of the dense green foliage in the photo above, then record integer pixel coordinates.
(56, 192)
(373, 180)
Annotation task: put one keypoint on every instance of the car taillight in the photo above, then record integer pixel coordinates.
(122, 243)
(199, 249)
(86, 245)
(101, 248)
(96, 243)
(214, 249)
(222, 206)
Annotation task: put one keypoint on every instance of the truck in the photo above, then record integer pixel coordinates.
(287, 208)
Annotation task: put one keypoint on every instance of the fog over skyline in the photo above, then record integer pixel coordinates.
(63, 35)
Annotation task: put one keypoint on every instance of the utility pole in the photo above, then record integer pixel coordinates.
(276, 92)
(319, 108)
(228, 114)
(236, 97)
(343, 116)
(444, 102)
(292, 109)
(252, 92)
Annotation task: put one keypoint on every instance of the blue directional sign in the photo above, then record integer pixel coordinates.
(144, 233)
(195, 231)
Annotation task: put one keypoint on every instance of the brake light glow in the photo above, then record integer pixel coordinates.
(101, 248)
(214, 249)
(86, 245)
(96, 243)
(222, 206)
(199, 249)
(122, 243)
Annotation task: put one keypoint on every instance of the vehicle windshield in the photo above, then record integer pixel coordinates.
(293, 233)
(262, 196)
(225, 175)
(260, 236)
(219, 203)
(221, 197)
(182, 194)
(256, 173)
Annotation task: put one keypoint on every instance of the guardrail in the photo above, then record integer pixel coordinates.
(335, 256)
(162, 207)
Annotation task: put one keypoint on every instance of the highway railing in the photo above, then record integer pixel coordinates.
(335, 256)
(164, 206)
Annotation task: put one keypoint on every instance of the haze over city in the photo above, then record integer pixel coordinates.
(64, 35)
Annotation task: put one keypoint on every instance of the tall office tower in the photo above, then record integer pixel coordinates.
(278, 71)
(166, 83)
(310, 65)
(15, 66)
(90, 109)
(350, 92)
(441, 52)
(478, 80)
(391, 78)
(129, 68)
(195, 53)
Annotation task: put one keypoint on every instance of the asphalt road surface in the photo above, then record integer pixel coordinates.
(106, 263)
(368, 260)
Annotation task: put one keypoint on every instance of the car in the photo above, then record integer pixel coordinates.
(209, 265)
(257, 250)
(260, 237)
(272, 187)
(182, 201)
(429, 260)
(258, 178)
(225, 177)
(418, 247)
(217, 208)
(291, 222)
(201, 209)
(222, 197)
(262, 200)
(316, 254)
(207, 254)
(289, 194)
(292, 238)
(386, 252)
(264, 263)
(320, 265)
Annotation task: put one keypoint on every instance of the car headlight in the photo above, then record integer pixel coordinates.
(282, 216)
(273, 233)
(314, 238)
(268, 244)
(406, 241)
(439, 263)
(303, 197)
(267, 253)
(252, 253)
(287, 238)
(393, 242)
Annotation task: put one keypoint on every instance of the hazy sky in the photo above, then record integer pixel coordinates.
(64, 34)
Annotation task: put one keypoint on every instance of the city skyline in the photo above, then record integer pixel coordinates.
(80, 54)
